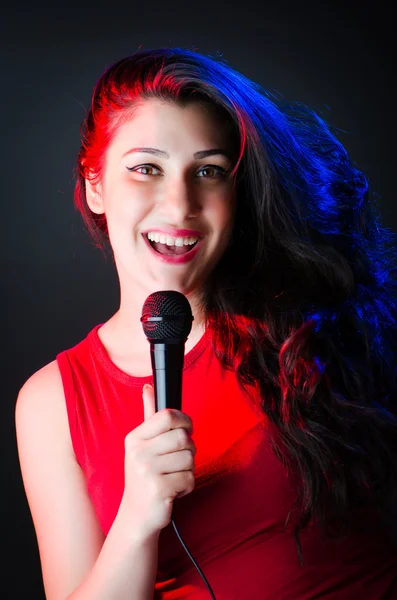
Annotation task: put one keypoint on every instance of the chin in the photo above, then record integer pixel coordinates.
(187, 289)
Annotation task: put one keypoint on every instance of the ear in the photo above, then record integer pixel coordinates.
(94, 197)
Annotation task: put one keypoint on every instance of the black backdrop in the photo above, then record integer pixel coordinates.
(336, 56)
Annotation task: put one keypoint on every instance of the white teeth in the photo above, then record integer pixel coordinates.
(169, 240)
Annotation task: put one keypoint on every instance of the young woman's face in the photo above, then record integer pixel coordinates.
(170, 211)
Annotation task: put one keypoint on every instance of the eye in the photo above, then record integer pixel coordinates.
(221, 171)
(147, 167)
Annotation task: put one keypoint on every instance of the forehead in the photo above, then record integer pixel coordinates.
(153, 121)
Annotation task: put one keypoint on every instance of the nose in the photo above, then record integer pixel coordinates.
(179, 202)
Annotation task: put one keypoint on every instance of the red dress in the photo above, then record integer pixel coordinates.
(233, 521)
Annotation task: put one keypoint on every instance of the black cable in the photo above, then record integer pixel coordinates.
(193, 561)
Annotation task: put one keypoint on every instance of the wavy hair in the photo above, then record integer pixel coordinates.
(303, 303)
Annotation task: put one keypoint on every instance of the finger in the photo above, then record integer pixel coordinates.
(156, 423)
(174, 462)
(182, 482)
(173, 441)
(149, 405)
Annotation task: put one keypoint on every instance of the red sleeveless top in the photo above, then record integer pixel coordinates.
(233, 523)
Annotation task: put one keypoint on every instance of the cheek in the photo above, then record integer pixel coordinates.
(126, 205)
(224, 214)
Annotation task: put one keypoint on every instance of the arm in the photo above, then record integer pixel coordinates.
(77, 562)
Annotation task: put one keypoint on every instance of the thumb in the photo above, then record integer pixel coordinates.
(149, 405)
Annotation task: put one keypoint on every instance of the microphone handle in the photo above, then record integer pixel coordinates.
(167, 365)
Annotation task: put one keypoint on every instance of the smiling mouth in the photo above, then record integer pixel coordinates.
(171, 250)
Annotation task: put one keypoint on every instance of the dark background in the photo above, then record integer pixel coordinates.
(336, 57)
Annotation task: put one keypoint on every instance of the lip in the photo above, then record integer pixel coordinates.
(176, 232)
(173, 260)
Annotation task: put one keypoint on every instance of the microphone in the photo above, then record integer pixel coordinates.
(167, 321)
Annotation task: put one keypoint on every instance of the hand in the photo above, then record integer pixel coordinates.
(159, 465)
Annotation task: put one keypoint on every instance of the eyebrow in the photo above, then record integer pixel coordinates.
(197, 155)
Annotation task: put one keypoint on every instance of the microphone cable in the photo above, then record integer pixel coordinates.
(193, 561)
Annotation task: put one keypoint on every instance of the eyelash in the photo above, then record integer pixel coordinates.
(222, 171)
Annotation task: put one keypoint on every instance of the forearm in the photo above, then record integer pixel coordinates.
(125, 568)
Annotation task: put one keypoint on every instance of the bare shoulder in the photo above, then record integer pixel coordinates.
(67, 530)
(48, 378)
(48, 375)
(41, 406)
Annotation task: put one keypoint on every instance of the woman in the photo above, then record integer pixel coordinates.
(280, 469)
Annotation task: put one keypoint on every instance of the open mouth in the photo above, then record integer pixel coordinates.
(172, 250)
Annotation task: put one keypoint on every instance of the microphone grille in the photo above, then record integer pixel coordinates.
(166, 314)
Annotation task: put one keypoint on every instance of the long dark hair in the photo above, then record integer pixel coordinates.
(303, 303)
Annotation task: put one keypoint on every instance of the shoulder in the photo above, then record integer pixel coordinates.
(44, 390)
(47, 377)
(40, 406)
(44, 387)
